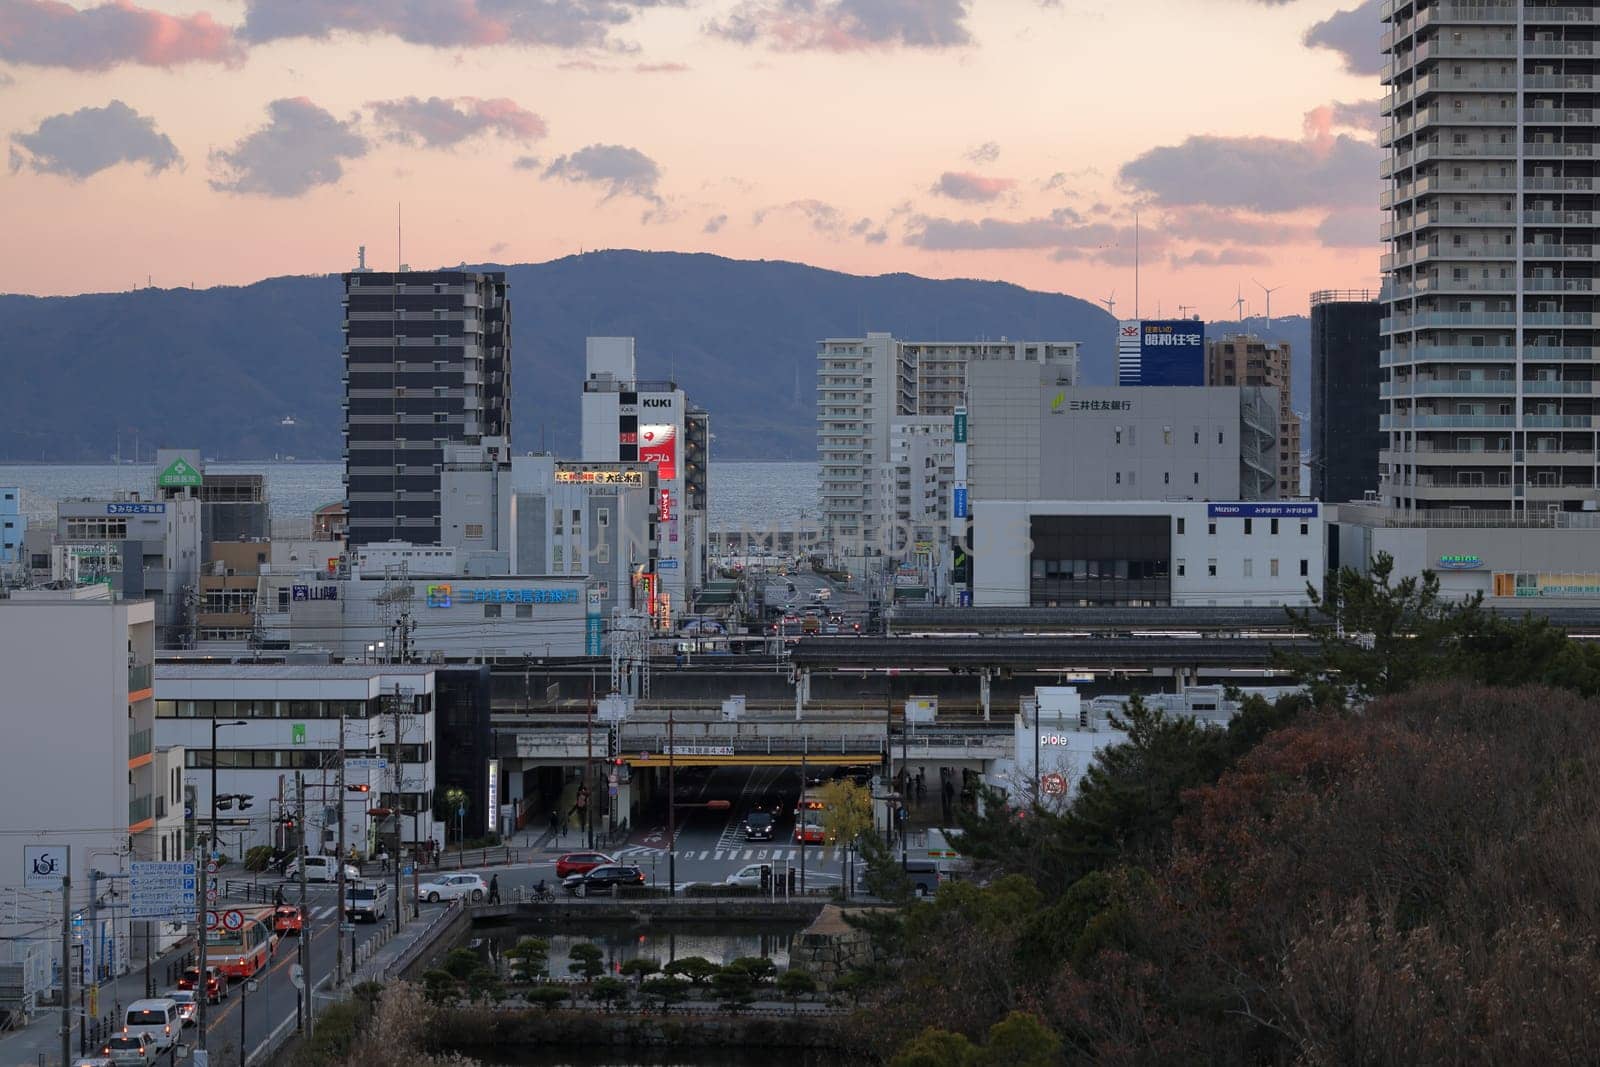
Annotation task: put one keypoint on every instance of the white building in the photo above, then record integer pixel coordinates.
(1063, 553)
(84, 771)
(292, 720)
(863, 385)
(475, 505)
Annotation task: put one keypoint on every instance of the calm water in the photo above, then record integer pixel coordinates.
(662, 942)
(742, 494)
(553, 1056)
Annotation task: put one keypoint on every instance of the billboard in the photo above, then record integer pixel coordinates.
(1161, 352)
(658, 443)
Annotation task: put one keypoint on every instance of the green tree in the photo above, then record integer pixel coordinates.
(549, 997)
(697, 969)
(668, 991)
(483, 984)
(1021, 1040)
(735, 986)
(448, 803)
(759, 968)
(461, 962)
(640, 968)
(529, 957)
(796, 983)
(586, 958)
(937, 1048)
(609, 991)
(439, 987)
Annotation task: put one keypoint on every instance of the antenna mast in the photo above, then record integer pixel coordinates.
(1136, 265)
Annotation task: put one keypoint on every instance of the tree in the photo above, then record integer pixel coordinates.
(735, 986)
(529, 958)
(668, 991)
(484, 984)
(846, 815)
(609, 991)
(695, 968)
(796, 983)
(640, 968)
(586, 959)
(439, 987)
(1021, 1040)
(549, 996)
(937, 1048)
(461, 962)
(449, 804)
(759, 968)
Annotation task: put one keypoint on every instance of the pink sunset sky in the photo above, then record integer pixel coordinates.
(213, 142)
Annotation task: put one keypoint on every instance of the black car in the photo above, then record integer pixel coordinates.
(602, 878)
(759, 826)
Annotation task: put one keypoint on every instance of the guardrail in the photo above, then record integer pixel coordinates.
(424, 940)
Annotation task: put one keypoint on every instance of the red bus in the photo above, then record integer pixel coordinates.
(242, 952)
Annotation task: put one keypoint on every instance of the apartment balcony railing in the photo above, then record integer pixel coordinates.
(139, 743)
(139, 677)
(141, 809)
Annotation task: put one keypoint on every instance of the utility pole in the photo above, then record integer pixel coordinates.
(90, 966)
(801, 811)
(588, 766)
(338, 943)
(66, 958)
(672, 809)
(303, 996)
(394, 756)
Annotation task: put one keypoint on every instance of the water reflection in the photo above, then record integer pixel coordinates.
(554, 1056)
(663, 942)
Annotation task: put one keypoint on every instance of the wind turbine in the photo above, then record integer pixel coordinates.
(1238, 305)
(1269, 293)
(1111, 303)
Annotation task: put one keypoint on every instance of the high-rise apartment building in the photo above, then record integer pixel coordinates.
(866, 383)
(1244, 360)
(1488, 335)
(1345, 440)
(427, 361)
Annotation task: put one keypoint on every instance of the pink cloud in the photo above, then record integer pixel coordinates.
(661, 68)
(965, 185)
(46, 33)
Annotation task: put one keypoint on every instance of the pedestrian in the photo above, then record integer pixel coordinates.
(921, 788)
(277, 896)
(494, 889)
(383, 861)
(555, 822)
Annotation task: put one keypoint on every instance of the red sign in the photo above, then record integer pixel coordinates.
(665, 511)
(658, 443)
(1054, 785)
(628, 438)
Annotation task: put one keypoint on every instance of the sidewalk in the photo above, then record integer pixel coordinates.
(39, 1043)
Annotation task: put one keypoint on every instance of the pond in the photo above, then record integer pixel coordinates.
(555, 1056)
(719, 942)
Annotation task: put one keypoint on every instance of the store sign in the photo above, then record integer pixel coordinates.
(591, 476)
(439, 596)
(666, 565)
(314, 592)
(664, 512)
(136, 509)
(958, 507)
(1460, 563)
(506, 596)
(1262, 511)
(697, 750)
(44, 866)
(961, 426)
(658, 444)
(179, 474)
(493, 812)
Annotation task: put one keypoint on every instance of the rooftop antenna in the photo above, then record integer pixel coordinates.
(1111, 303)
(361, 258)
(1136, 264)
(1269, 293)
(399, 240)
(1184, 309)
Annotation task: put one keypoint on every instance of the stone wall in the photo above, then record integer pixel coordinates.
(830, 948)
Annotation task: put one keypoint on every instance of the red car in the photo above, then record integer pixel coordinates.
(286, 919)
(216, 983)
(580, 863)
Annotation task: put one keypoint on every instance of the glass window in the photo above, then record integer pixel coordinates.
(1248, 526)
(524, 611)
(491, 611)
(1272, 567)
(1211, 568)
(1304, 569)
(1274, 526)
(1181, 565)
(1180, 524)
(1249, 568)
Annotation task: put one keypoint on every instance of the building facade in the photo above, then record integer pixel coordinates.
(427, 362)
(139, 548)
(1488, 400)
(1345, 440)
(863, 385)
(76, 668)
(1032, 439)
(1161, 352)
(1243, 360)
(1145, 553)
(13, 527)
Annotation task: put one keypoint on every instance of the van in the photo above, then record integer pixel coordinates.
(321, 869)
(368, 901)
(156, 1019)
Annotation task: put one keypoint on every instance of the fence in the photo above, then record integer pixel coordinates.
(424, 940)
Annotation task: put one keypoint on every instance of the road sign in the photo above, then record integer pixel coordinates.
(211, 867)
(212, 920)
(162, 890)
(612, 790)
(406, 871)
(1054, 785)
(347, 928)
(297, 976)
(366, 763)
(233, 920)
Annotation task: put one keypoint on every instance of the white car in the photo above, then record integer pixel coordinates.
(749, 875)
(159, 1019)
(321, 869)
(184, 998)
(454, 887)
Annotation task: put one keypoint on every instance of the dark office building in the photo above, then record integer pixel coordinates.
(463, 744)
(1345, 439)
(427, 360)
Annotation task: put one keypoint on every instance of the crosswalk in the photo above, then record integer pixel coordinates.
(639, 853)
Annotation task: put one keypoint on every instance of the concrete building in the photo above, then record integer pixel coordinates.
(141, 549)
(1250, 361)
(293, 718)
(233, 507)
(1488, 332)
(226, 613)
(86, 771)
(427, 363)
(630, 420)
(475, 505)
(1144, 553)
(1345, 440)
(1030, 438)
(13, 528)
(917, 482)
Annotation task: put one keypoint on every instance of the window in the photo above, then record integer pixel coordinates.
(1249, 568)
(1274, 529)
(1249, 527)
(1219, 437)
(1305, 569)
(602, 516)
(492, 611)
(1182, 567)
(1166, 435)
(1196, 477)
(1166, 477)
(1118, 438)
(1211, 568)
(1119, 477)
(1197, 437)
(1211, 528)
(474, 531)
(1305, 528)
(1180, 524)
(602, 553)
(525, 611)
(1272, 567)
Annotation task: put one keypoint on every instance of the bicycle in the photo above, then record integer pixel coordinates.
(544, 895)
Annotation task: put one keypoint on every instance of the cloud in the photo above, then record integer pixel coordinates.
(298, 149)
(1360, 115)
(987, 152)
(1350, 228)
(1060, 229)
(1226, 257)
(48, 33)
(661, 68)
(449, 23)
(527, 163)
(846, 25)
(964, 185)
(1259, 173)
(87, 141)
(622, 170)
(6, 80)
(1213, 225)
(441, 123)
(869, 231)
(715, 224)
(1354, 35)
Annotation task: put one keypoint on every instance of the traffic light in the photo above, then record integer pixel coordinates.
(362, 788)
(288, 822)
(224, 802)
(244, 801)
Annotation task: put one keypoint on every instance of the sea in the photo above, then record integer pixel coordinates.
(742, 495)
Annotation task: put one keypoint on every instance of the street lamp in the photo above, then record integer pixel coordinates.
(204, 903)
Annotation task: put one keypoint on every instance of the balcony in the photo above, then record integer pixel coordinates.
(1558, 48)
(141, 810)
(1558, 422)
(1558, 115)
(1458, 422)
(1563, 150)
(1557, 318)
(1546, 15)
(1571, 82)
(140, 744)
(139, 677)
(1555, 353)
(1438, 387)
(1559, 218)
(1562, 388)
(1450, 354)
(1551, 250)
(1558, 285)
(1559, 185)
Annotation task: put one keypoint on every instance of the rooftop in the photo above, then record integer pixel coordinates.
(201, 672)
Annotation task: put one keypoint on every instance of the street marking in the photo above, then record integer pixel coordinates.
(322, 913)
(719, 853)
(746, 853)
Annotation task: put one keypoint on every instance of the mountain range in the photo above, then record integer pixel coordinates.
(253, 371)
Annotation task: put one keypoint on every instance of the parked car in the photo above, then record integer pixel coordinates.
(216, 983)
(129, 1048)
(580, 862)
(759, 826)
(367, 901)
(287, 919)
(453, 887)
(157, 1019)
(602, 878)
(320, 869)
(749, 876)
(184, 998)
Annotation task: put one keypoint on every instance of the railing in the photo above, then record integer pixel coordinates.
(139, 810)
(424, 940)
(140, 743)
(139, 677)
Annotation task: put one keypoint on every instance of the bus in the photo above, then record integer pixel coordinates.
(243, 952)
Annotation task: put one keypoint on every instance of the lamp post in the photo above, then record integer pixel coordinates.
(204, 901)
